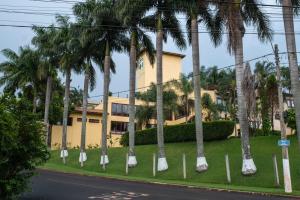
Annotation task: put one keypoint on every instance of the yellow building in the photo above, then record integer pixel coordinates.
(118, 117)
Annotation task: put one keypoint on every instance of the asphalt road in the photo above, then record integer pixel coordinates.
(53, 185)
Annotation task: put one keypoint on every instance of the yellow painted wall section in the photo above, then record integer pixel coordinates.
(93, 132)
(172, 68)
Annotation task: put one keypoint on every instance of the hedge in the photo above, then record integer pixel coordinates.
(216, 130)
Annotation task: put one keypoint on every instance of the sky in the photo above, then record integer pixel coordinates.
(12, 13)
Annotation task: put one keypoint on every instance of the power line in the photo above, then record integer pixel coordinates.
(115, 28)
(222, 68)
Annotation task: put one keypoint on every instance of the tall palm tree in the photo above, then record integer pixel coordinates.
(42, 40)
(89, 48)
(132, 16)
(163, 22)
(64, 45)
(21, 70)
(233, 15)
(197, 11)
(289, 8)
(104, 14)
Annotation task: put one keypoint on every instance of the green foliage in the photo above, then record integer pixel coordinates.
(216, 130)
(266, 125)
(290, 119)
(22, 146)
(261, 132)
(210, 107)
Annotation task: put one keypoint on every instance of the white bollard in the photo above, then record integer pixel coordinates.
(64, 157)
(126, 167)
(81, 159)
(275, 167)
(154, 165)
(184, 166)
(227, 168)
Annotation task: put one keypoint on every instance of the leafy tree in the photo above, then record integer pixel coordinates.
(272, 88)
(22, 146)
(185, 87)
(20, 71)
(149, 97)
(263, 70)
(210, 107)
(290, 119)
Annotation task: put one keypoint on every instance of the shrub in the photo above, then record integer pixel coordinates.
(216, 130)
(261, 132)
(290, 119)
(22, 146)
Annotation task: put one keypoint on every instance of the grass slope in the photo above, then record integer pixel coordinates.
(262, 149)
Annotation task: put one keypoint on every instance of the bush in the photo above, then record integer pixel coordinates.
(22, 146)
(261, 132)
(216, 130)
(290, 119)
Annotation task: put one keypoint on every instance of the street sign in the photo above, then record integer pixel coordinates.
(283, 143)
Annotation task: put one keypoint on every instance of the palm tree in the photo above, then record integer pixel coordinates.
(197, 11)
(42, 41)
(89, 48)
(263, 70)
(232, 15)
(149, 98)
(289, 8)
(133, 19)
(163, 22)
(20, 71)
(185, 87)
(104, 14)
(64, 45)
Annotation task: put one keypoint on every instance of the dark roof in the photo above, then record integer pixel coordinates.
(167, 53)
(89, 111)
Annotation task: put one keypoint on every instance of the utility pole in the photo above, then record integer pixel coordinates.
(285, 153)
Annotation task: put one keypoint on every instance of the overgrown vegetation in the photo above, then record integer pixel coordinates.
(216, 130)
(22, 146)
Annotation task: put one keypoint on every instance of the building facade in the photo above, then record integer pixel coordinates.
(118, 116)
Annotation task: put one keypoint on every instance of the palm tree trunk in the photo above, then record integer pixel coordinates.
(186, 108)
(162, 162)
(64, 152)
(248, 163)
(201, 160)
(47, 105)
(132, 159)
(82, 156)
(34, 99)
(287, 10)
(104, 158)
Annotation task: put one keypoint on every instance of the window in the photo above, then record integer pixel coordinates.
(120, 109)
(140, 63)
(220, 101)
(80, 119)
(94, 121)
(119, 127)
(70, 121)
(290, 103)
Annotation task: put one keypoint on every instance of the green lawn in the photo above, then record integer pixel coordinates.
(262, 150)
